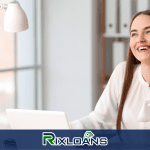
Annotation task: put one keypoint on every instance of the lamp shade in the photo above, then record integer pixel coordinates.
(15, 19)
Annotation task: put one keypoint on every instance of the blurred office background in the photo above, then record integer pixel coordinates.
(56, 64)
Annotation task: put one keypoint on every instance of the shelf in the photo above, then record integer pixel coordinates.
(104, 35)
(116, 35)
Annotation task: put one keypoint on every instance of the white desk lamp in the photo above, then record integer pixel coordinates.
(15, 19)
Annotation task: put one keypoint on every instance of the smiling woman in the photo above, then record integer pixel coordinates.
(140, 31)
(126, 97)
(140, 43)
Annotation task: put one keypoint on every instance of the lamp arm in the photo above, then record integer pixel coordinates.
(3, 6)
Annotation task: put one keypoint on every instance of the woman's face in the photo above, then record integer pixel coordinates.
(140, 36)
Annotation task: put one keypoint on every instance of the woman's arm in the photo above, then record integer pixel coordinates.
(105, 113)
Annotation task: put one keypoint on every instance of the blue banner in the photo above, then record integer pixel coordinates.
(75, 139)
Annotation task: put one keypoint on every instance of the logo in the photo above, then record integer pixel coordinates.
(88, 139)
(48, 137)
(88, 134)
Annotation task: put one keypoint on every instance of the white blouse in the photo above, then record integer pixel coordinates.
(136, 110)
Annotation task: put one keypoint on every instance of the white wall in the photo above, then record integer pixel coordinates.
(70, 53)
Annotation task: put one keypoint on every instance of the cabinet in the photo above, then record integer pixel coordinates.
(120, 11)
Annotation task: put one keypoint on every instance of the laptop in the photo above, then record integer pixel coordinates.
(33, 119)
(37, 119)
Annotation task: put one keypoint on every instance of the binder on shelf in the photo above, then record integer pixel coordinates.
(111, 16)
(118, 53)
(125, 16)
(142, 5)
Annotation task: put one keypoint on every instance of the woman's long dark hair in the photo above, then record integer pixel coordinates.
(130, 64)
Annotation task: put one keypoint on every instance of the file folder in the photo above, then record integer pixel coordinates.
(142, 5)
(118, 53)
(111, 16)
(125, 16)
